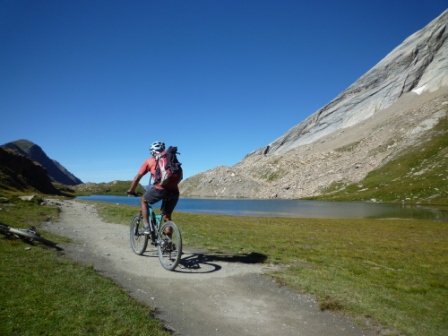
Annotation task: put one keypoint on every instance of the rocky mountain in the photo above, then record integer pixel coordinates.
(384, 114)
(56, 172)
(18, 172)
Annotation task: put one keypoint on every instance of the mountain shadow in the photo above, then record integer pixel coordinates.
(56, 172)
(18, 172)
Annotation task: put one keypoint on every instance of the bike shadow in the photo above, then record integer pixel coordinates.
(207, 263)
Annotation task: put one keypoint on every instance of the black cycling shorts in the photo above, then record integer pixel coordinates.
(169, 198)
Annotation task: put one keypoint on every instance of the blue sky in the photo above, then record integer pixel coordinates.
(94, 83)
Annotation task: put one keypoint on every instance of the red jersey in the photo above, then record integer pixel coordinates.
(150, 166)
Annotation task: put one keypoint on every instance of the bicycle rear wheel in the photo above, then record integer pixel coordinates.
(139, 241)
(169, 246)
(30, 236)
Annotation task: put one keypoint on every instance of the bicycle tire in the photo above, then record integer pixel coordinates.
(4, 229)
(139, 241)
(169, 249)
(31, 236)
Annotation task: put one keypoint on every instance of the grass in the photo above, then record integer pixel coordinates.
(45, 294)
(393, 272)
(417, 176)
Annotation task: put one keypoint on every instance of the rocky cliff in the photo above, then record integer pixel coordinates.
(419, 64)
(56, 171)
(387, 111)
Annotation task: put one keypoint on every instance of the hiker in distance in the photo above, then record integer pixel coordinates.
(166, 172)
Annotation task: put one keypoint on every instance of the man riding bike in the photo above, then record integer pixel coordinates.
(169, 193)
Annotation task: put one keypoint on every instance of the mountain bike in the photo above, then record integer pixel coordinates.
(165, 236)
(27, 235)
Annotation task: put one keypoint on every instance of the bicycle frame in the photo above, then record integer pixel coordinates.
(155, 222)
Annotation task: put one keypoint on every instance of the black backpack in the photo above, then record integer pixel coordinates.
(168, 166)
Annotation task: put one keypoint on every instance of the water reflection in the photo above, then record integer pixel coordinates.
(289, 208)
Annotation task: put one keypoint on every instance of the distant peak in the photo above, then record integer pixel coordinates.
(23, 144)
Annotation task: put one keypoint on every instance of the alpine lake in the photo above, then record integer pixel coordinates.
(289, 208)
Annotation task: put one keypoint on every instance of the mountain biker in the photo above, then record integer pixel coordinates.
(168, 193)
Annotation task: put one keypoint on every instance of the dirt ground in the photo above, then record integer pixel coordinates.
(204, 295)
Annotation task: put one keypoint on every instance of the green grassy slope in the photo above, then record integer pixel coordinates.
(111, 188)
(418, 175)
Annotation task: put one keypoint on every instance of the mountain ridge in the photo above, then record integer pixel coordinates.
(391, 108)
(56, 172)
(419, 63)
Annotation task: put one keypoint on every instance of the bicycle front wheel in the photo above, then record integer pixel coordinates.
(169, 245)
(4, 229)
(139, 241)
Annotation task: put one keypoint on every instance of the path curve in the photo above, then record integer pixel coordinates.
(204, 296)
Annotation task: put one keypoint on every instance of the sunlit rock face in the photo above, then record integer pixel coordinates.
(419, 64)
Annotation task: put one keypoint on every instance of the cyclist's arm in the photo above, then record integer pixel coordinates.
(147, 166)
(135, 183)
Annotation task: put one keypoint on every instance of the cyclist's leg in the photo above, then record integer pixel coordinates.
(154, 195)
(151, 196)
(145, 212)
(168, 205)
(166, 217)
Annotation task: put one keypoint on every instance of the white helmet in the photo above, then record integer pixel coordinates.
(157, 146)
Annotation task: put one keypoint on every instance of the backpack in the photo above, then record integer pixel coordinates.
(168, 167)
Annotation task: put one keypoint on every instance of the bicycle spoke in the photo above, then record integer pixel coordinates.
(169, 246)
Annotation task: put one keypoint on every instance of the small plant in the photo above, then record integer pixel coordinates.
(329, 303)
(347, 148)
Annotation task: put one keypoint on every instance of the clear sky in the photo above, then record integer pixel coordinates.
(94, 83)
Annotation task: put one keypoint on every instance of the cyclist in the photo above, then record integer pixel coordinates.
(169, 193)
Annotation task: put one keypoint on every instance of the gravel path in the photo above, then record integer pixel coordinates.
(205, 295)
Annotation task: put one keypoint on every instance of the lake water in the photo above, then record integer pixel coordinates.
(287, 208)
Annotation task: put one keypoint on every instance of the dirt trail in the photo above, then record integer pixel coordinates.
(205, 295)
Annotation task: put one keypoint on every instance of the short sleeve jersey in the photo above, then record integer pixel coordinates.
(150, 166)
